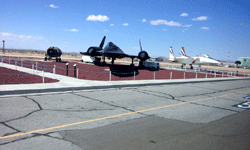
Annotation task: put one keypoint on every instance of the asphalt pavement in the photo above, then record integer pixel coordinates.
(203, 115)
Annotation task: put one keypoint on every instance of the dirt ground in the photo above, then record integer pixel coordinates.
(9, 76)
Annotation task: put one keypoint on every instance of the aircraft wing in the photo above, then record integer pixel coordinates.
(197, 60)
(84, 53)
(189, 60)
(117, 55)
(131, 56)
(111, 50)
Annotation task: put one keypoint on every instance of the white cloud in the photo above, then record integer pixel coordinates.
(20, 36)
(184, 15)
(13, 40)
(144, 20)
(164, 29)
(187, 25)
(201, 18)
(106, 30)
(185, 30)
(171, 23)
(205, 28)
(97, 18)
(6, 34)
(125, 24)
(111, 24)
(53, 6)
(72, 30)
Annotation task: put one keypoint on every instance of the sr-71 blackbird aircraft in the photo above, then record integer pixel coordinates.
(184, 59)
(113, 51)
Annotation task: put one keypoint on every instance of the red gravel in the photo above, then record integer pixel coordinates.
(9, 76)
(93, 72)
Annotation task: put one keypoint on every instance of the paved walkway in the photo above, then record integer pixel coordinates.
(69, 82)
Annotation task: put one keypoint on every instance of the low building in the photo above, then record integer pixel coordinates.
(151, 59)
(244, 62)
(154, 59)
(159, 59)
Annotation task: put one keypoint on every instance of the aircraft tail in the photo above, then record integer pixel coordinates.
(102, 43)
(171, 54)
(183, 53)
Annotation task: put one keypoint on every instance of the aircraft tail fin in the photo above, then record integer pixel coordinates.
(171, 54)
(183, 53)
(140, 45)
(102, 43)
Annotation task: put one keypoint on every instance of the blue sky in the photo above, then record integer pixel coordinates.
(215, 27)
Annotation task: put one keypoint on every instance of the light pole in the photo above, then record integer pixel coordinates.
(67, 68)
(74, 70)
(3, 47)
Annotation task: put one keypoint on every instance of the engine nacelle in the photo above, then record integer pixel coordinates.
(143, 55)
(92, 51)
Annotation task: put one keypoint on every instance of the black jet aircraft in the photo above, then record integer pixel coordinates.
(112, 51)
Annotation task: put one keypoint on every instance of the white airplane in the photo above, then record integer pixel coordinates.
(184, 59)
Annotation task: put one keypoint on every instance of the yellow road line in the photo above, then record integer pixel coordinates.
(119, 115)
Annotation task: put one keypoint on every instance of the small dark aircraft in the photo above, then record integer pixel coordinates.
(53, 52)
(112, 51)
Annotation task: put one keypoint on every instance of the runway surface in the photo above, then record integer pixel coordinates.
(176, 116)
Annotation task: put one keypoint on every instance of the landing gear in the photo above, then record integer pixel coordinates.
(191, 67)
(132, 64)
(58, 59)
(46, 58)
(103, 61)
(112, 62)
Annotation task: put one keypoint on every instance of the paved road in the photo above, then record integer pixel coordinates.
(174, 116)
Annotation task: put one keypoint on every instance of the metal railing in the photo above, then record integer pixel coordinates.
(184, 74)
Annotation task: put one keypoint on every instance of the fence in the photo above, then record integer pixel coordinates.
(8, 76)
(217, 71)
(84, 72)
